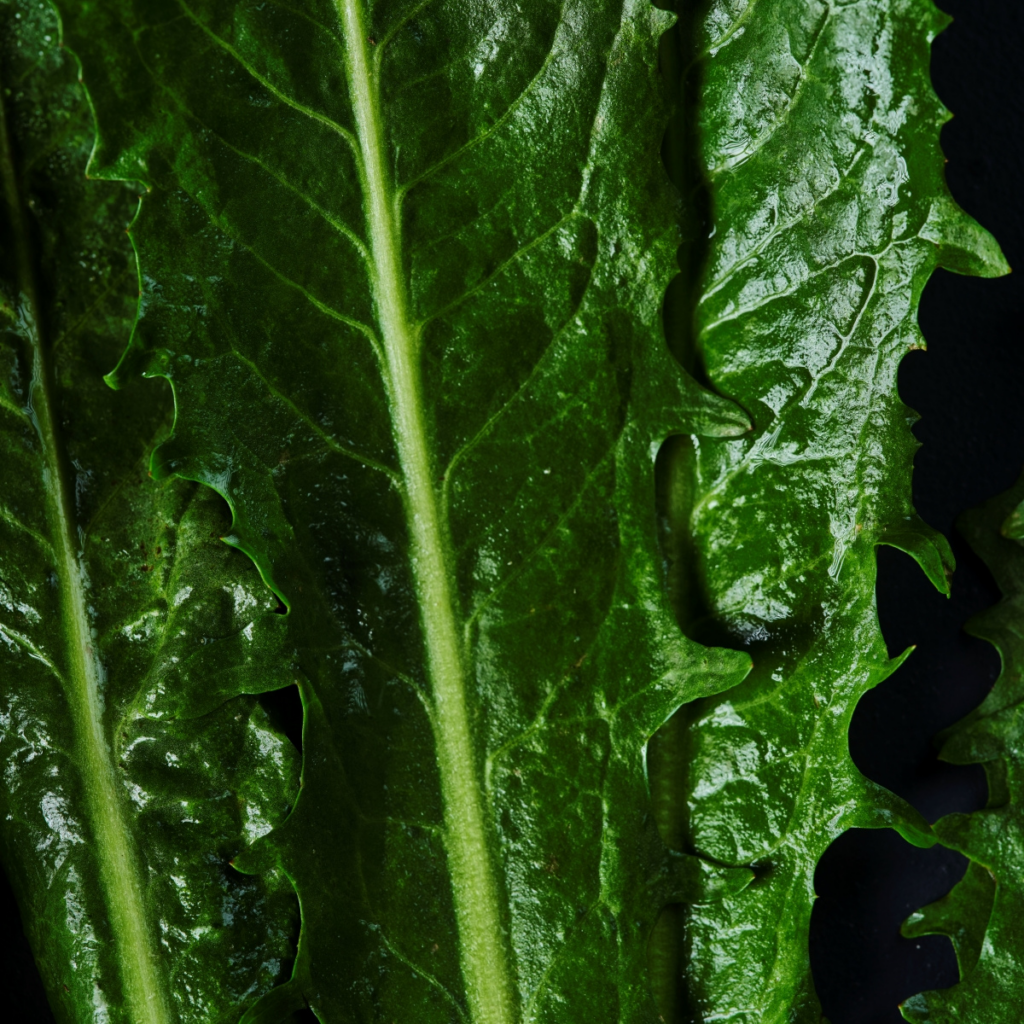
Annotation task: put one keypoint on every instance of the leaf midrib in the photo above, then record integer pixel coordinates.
(484, 955)
(136, 953)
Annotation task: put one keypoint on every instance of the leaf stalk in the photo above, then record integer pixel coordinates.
(484, 953)
(119, 869)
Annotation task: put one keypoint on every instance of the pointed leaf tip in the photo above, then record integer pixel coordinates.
(965, 247)
(1013, 526)
(696, 880)
(715, 416)
(256, 859)
(878, 807)
(926, 546)
(915, 1009)
(662, 20)
(914, 926)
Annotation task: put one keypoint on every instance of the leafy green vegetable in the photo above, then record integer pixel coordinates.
(403, 266)
(819, 135)
(132, 769)
(984, 914)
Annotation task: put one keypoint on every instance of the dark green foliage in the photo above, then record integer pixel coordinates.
(819, 143)
(984, 914)
(191, 770)
(403, 265)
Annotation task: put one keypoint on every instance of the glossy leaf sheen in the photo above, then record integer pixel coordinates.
(403, 264)
(984, 914)
(819, 131)
(133, 769)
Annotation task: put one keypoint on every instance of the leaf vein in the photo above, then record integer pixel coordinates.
(518, 570)
(340, 449)
(501, 268)
(415, 967)
(300, 108)
(466, 147)
(732, 163)
(358, 325)
(718, 283)
(12, 520)
(19, 638)
(343, 229)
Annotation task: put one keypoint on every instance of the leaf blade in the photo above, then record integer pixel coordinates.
(104, 581)
(534, 274)
(819, 144)
(982, 913)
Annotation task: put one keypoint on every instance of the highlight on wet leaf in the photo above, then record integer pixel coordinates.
(527, 374)
(134, 764)
(403, 266)
(813, 150)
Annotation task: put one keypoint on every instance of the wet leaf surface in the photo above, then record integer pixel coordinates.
(403, 265)
(134, 769)
(819, 132)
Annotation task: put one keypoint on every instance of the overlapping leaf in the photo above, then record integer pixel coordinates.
(133, 770)
(984, 914)
(403, 264)
(819, 131)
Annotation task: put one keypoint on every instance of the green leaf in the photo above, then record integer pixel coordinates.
(991, 987)
(133, 769)
(818, 131)
(1013, 526)
(403, 265)
(962, 915)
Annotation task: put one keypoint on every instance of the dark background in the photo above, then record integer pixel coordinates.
(967, 388)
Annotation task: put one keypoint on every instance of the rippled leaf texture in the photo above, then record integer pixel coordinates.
(403, 266)
(132, 769)
(984, 914)
(820, 146)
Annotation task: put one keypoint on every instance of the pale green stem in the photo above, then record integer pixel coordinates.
(485, 957)
(119, 872)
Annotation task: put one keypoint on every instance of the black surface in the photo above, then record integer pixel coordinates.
(22, 987)
(863, 969)
(968, 388)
